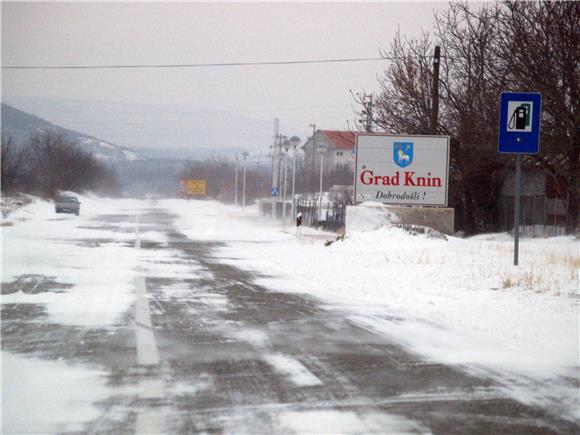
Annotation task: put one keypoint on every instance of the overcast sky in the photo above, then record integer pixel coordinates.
(173, 33)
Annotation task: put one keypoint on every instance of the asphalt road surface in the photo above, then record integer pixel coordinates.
(217, 353)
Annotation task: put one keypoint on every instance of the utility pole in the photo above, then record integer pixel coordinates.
(313, 152)
(435, 109)
(368, 105)
(275, 164)
(275, 153)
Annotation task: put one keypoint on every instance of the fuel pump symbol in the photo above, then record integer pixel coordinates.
(520, 118)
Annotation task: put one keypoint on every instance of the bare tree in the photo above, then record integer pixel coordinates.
(55, 163)
(404, 103)
(540, 42)
(471, 81)
(11, 159)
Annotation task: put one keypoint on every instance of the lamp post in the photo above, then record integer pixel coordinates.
(236, 183)
(275, 164)
(313, 150)
(295, 141)
(280, 175)
(245, 155)
(286, 146)
(322, 151)
(280, 187)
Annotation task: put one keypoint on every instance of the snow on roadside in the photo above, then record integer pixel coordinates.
(8, 204)
(455, 301)
(48, 396)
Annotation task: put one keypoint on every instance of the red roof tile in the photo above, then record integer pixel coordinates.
(342, 140)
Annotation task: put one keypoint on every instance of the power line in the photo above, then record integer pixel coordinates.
(204, 65)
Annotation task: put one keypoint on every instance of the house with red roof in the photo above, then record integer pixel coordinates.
(338, 153)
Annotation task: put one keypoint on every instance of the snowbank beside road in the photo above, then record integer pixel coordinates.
(457, 301)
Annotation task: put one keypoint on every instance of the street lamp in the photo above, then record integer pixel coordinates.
(295, 141)
(313, 150)
(286, 146)
(280, 159)
(245, 155)
(322, 151)
(236, 183)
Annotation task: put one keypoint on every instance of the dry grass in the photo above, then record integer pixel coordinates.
(573, 263)
(531, 280)
(508, 282)
(542, 269)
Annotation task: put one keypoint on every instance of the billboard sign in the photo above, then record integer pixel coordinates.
(407, 170)
(193, 187)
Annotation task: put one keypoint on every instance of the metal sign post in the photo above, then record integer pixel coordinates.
(275, 194)
(517, 209)
(519, 133)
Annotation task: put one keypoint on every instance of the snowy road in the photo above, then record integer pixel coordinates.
(202, 346)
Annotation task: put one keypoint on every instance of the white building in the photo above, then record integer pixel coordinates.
(339, 155)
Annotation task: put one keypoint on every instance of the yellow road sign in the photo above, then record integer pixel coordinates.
(196, 187)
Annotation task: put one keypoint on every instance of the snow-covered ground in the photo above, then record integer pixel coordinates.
(92, 271)
(35, 244)
(456, 301)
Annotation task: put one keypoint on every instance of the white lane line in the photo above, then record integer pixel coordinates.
(150, 420)
(137, 237)
(150, 423)
(293, 369)
(151, 388)
(147, 353)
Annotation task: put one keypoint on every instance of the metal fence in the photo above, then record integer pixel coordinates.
(322, 213)
(539, 215)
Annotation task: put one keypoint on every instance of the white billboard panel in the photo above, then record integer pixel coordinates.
(410, 170)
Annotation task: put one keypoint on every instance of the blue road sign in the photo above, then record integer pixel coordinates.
(275, 191)
(519, 122)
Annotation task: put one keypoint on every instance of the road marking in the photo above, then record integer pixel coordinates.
(150, 420)
(151, 388)
(293, 369)
(137, 238)
(147, 353)
(150, 423)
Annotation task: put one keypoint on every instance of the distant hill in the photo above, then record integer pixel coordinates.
(21, 126)
(162, 131)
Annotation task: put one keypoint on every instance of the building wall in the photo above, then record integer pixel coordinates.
(343, 160)
(533, 182)
(543, 211)
(331, 159)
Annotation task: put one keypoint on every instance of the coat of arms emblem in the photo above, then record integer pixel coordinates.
(403, 153)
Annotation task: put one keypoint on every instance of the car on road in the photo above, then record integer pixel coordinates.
(67, 204)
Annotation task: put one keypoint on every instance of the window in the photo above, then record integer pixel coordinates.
(339, 153)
